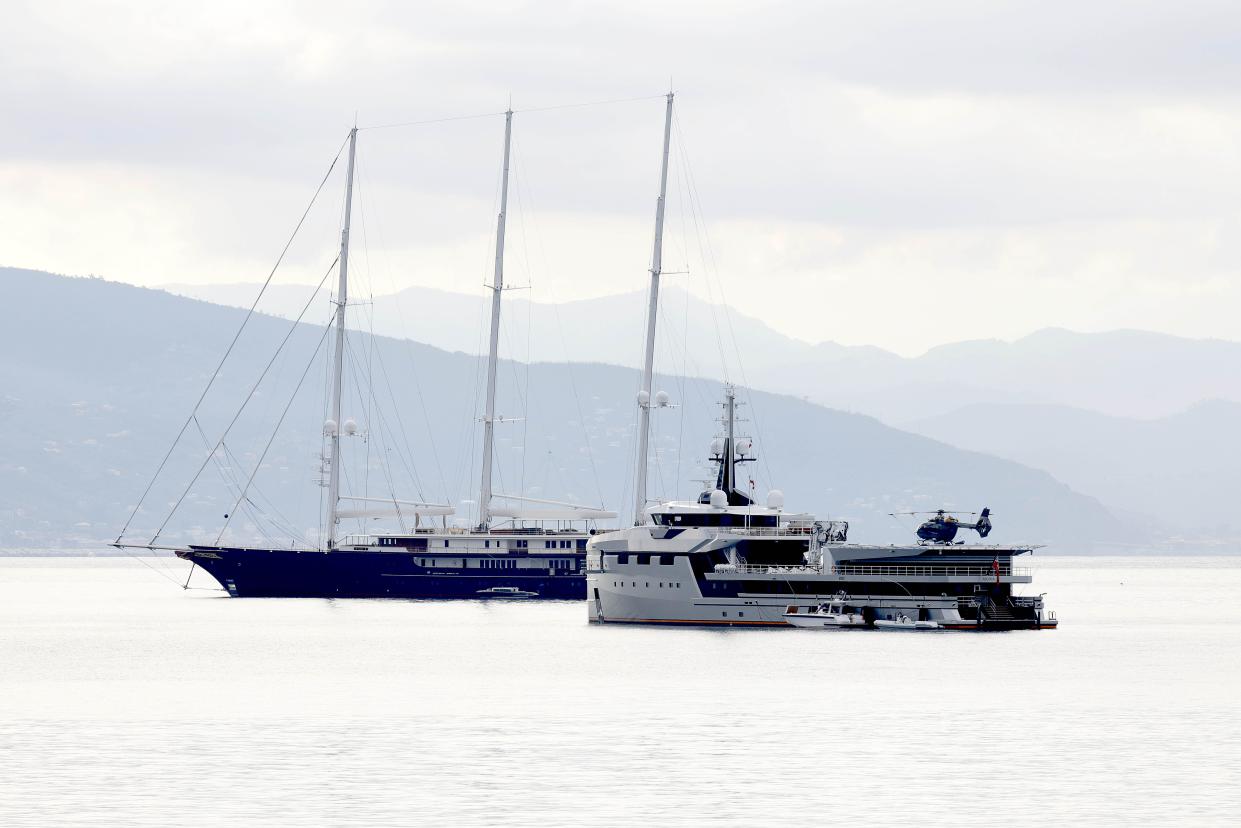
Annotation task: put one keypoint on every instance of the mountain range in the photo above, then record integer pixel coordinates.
(1145, 422)
(99, 378)
(1133, 374)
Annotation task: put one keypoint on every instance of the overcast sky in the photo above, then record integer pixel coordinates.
(895, 174)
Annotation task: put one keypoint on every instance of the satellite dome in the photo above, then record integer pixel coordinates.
(775, 499)
(744, 445)
(351, 426)
(644, 398)
(329, 428)
(717, 446)
(661, 399)
(719, 500)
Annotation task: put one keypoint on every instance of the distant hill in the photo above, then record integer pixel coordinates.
(1120, 373)
(98, 377)
(1183, 470)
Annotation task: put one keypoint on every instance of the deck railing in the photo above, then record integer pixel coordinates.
(931, 571)
(889, 571)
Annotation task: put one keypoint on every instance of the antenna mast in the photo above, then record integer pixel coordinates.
(342, 296)
(497, 287)
(644, 396)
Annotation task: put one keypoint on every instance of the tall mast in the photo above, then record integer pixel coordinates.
(497, 287)
(644, 396)
(342, 296)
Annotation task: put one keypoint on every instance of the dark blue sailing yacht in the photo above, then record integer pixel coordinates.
(521, 547)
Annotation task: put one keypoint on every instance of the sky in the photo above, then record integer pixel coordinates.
(891, 174)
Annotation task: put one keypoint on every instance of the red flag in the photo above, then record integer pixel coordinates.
(995, 567)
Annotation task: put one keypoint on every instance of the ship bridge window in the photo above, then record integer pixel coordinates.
(717, 519)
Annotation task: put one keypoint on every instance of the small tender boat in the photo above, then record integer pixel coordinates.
(506, 592)
(903, 622)
(832, 614)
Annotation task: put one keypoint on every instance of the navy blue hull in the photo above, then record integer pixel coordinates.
(279, 573)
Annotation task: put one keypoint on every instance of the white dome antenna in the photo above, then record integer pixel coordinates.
(351, 427)
(644, 399)
(775, 499)
(329, 428)
(717, 446)
(719, 500)
(661, 399)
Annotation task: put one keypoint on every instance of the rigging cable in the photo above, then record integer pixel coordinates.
(249, 396)
(496, 114)
(408, 349)
(259, 463)
(714, 269)
(250, 313)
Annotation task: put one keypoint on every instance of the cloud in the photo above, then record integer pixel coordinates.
(1080, 155)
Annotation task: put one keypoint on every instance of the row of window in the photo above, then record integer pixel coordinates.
(491, 563)
(659, 585)
(421, 543)
(644, 559)
(494, 563)
(716, 519)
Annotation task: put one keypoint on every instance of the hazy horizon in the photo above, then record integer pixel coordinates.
(207, 293)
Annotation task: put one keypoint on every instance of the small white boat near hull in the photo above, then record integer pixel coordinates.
(825, 616)
(905, 623)
(506, 592)
(815, 621)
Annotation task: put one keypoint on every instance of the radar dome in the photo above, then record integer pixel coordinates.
(717, 446)
(775, 499)
(329, 428)
(644, 398)
(744, 446)
(351, 426)
(719, 500)
(661, 399)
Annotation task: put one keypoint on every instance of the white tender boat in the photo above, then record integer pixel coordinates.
(901, 621)
(831, 614)
(506, 592)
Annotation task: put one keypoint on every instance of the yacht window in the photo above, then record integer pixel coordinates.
(644, 560)
(445, 543)
(666, 560)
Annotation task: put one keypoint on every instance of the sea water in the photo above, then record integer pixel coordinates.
(125, 700)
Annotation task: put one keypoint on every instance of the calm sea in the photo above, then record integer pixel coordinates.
(127, 701)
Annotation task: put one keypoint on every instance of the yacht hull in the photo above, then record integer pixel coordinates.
(279, 573)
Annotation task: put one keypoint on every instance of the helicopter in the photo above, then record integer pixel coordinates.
(943, 526)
